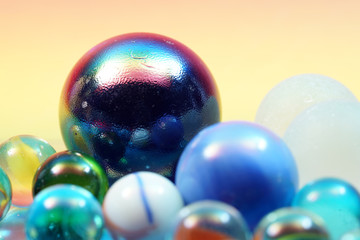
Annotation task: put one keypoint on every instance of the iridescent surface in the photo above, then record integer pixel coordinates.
(141, 206)
(5, 194)
(291, 224)
(239, 163)
(335, 200)
(209, 220)
(352, 235)
(12, 227)
(64, 212)
(134, 101)
(20, 156)
(72, 168)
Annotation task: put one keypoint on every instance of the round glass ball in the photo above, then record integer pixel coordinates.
(134, 101)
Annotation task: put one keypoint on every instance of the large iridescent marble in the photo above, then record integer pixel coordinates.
(239, 163)
(12, 227)
(5, 194)
(291, 224)
(72, 168)
(20, 156)
(336, 201)
(65, 211)
(209, 220)
(133, 102)
(141, 205)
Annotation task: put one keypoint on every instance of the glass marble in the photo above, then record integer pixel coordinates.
(291, 224)
(72, 168)
(210, 220)
(12, 227)
(352, 235)
(65, 212)
(141, 205)
(285, 101)
(5, 194)
(324, 141)
(20, 156)
(134, 101)
(239, 163)
(335, 200)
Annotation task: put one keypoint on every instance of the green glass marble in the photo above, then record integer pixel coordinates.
(20, 157)
(5, 194)
(64, 212)
(72, 168)
(291, 224)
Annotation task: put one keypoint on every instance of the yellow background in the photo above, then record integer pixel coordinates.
(249, 46)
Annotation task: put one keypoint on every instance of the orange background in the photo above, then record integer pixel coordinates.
(249, 46)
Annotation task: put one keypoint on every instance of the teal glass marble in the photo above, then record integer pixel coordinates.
(209, 220)
(12, 227)
(65, 212)
(291, 224)
(352, 235)
(106, 235)
(336, 201)
(5, 194)
(72, 168)
(20, 157)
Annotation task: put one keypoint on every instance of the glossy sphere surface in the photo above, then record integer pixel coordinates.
(210, 220)
(72, 168)
(12, 227)
(134, 101)
(5, 194)
(64, 212)
(352, 235)
(291, 224)
(20, 156)
(290, 97)
(324, 141)
(335, 200)
(141, 204)
(239, 163)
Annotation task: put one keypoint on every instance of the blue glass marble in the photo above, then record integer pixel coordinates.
(64, 212)
(291, 224)
(209, 220)
(239, 163)
(335, 200)
(12, 227)
(5, 194)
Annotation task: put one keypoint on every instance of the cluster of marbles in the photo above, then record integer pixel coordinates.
(139, 106)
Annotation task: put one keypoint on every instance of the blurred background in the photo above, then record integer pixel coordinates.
(249, 46)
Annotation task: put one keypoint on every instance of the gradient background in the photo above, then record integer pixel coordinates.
(249, 46)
